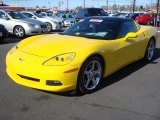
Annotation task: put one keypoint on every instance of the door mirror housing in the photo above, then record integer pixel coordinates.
(131, 35)
(34, 17)
(6, 17)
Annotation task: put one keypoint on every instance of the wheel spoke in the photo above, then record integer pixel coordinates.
(97, 72)
(93, 65)
(87, 83)
(86, 72)
(94, 82)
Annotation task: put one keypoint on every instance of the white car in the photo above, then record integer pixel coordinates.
(50, 15)
(51, 24)
(69, 20)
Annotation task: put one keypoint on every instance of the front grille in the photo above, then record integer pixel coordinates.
(43, 26)
(29, 78)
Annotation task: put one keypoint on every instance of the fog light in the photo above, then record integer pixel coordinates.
(53, 83)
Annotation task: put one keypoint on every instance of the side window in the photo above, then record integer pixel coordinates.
(82, 13)
(127, 26)
(28, 15)
(2, 15)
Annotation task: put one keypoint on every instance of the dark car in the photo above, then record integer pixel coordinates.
(134, 15)
(86, 12)
(3, 32)
(155, 21)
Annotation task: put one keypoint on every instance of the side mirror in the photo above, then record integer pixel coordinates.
(5, 17)
(34, 17)
(131, 35)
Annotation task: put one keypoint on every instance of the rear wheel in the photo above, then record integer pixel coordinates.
(19, 31)
(149, 51)
(90, 75)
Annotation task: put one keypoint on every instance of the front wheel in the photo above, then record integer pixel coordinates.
(90, 75)
(49, 27)
(19, 31)
(149, 51)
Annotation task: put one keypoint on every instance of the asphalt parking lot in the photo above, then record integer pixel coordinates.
(133, 93)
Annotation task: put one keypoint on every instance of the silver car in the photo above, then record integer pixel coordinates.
(16, 23)
(54, 17)
(51, 24)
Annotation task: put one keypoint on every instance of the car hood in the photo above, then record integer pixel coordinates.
(31, 21)
(52, 45)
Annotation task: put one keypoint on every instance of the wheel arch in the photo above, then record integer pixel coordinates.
(17, 26)
(99, 56)
(154, 39)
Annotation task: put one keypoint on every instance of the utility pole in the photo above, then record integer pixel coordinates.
(107, 4)
(157, 11)
(134, 3)
(84, 4)
(67, 4)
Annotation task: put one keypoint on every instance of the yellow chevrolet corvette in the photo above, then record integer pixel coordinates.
(81, 56)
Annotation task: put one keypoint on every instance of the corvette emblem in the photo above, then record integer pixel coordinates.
(21, 59)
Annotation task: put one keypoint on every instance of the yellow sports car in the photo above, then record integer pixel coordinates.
(81, 56)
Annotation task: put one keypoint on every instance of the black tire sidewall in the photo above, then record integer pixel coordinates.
(80, 84)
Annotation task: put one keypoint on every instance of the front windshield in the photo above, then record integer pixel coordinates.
(59, 15)
(50, 14)
(94, 28)
(37, 15)
(16, 15)
(42, 14)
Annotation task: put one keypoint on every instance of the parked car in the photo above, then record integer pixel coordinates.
(155, 21)
(144, 19)
(80, 57)
(86, 12)
(16, 23)
(51, 24)
(69, 20)
(134, 15)
(53, 17)
(3, 32)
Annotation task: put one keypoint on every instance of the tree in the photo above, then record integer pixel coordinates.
(115, 7)
(122, 8)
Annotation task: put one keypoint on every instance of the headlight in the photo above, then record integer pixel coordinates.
(67, 21)
(59, 60)
(33, 25)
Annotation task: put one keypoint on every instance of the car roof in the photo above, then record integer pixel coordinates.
(6, 10)
(120, 19)
(91, 8)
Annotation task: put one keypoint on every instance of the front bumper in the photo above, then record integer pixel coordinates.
(67, 24)
(35, 31)
(31, 73)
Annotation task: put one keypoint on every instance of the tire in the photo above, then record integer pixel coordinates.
(19, 31)
(90, 75)
(149, 53)
(49, 27)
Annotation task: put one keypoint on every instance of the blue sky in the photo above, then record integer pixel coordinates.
(73, 3)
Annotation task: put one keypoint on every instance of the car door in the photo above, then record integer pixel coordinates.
(129, 48)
